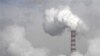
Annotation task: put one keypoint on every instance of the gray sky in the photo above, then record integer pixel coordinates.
(30, 14)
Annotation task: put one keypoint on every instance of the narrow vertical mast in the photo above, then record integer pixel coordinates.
(73, 41)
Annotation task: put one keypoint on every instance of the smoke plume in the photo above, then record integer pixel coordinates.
(51, 24)
(56, 20)
(18, 45)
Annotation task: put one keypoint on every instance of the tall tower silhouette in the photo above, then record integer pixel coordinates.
(73, 40)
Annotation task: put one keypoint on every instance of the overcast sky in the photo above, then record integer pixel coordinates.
(30, 14)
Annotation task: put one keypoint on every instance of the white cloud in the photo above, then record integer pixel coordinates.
(14, 35)
(56, 20)
(18, 45)
(94, 47)
(51, 14)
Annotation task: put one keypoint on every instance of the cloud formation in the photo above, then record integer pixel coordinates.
(51, 24)
(94, 47)
(18, 45)
(56, 20)
(90, 12)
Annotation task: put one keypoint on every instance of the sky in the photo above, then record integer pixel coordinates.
(30, 15)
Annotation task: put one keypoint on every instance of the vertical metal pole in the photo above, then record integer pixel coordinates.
(73, 41)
